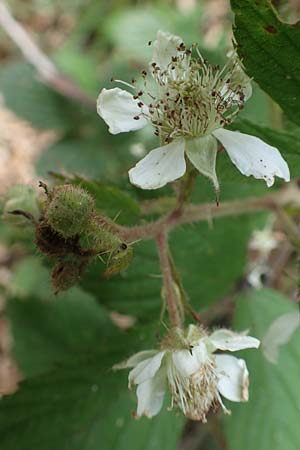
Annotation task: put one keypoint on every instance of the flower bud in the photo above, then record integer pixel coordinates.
(66, 274)
(69, 211)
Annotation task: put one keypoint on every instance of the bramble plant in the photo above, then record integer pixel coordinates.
(147, 259)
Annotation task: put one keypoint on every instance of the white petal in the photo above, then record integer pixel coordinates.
(164, 48)
(118, 109)
(228, 340)
(252, 156)
(151, 394)
(160, 166)
(135, 359)
(279, 333)
(188, 362)
(233, 378)
(145, 369)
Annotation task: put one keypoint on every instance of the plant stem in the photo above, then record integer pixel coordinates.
(186, 188)
(196, 213)
(168, 282)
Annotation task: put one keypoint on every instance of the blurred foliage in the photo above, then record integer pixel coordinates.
(270, 418)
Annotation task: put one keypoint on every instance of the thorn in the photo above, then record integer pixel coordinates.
(44, 186)
(19, 212)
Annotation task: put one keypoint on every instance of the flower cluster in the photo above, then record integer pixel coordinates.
(195, 375)
(189, 102)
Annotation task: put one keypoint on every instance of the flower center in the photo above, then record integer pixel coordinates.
(193, 98)
(195, 395)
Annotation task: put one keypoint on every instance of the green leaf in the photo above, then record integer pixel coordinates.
(49, 333)
(78, 66)
(73, 156)
(271, 417)
(81, 404)
(110, 200)
(31, 99)
(270, 50)
(287, 143)
(82, 407)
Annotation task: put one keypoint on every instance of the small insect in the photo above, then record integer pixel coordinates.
(119, 259)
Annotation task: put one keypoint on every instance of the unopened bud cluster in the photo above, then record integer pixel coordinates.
(70, 232)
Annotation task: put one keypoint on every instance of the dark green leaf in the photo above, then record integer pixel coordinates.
(81, 404)
(270, 50)
(82, 407)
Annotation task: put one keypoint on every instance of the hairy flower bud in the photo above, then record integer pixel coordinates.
(69, 210)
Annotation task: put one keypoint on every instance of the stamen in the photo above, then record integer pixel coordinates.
(124, 82)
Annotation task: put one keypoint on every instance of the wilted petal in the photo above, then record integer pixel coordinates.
(164, 48)
(228, 340)
(118, 109)
(279, 333)
(233, 378)
(160, 166)
(252, 156)
(145, 369)
(151, 394)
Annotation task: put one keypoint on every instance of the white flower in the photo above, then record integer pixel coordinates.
(195, 375)
(191, 104)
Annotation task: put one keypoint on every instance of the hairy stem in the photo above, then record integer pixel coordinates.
(207, 211)
(168, 282)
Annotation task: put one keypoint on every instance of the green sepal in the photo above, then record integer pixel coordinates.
(202, 152)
